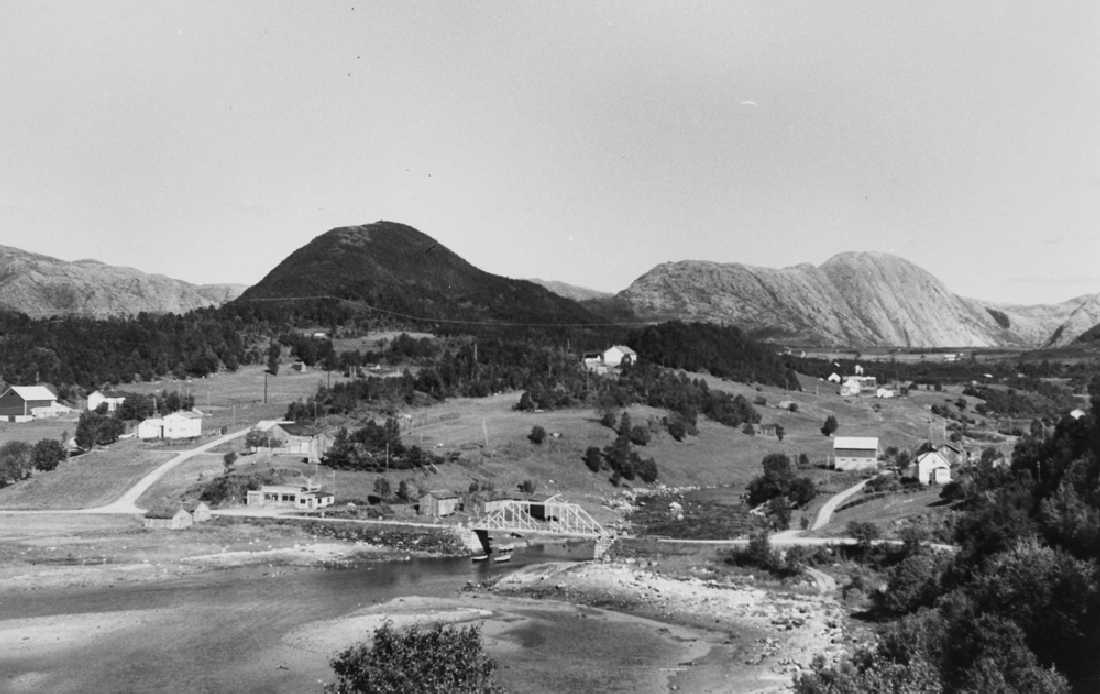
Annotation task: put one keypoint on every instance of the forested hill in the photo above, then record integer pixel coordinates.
(396, 268)
(724, 351)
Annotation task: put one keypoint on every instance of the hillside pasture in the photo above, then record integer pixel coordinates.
(35, 431)
(93, 479)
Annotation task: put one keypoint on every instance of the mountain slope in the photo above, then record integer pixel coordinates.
(397, 268)
(39, 285)
(572, 291)
(854, 298)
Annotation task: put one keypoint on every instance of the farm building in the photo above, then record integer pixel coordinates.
(292, 438)
(931, 468)
(307, 498)
(618, 355)
(24, 403)
(885, 393)
(854, 385)
(98, 397)
(834, 377)
(176, 425)
(167, 520)
(438, 503)
(855, 452)
(785, 404)
(1077, 413)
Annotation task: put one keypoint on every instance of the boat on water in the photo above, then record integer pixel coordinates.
(502, 557)
(480, 557)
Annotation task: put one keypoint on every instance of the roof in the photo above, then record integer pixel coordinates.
(953, 446)
(34, 392)
(186, 414)
(443, 494)
(862, 442)
(299, 429)
(622, 348)
(266, 424)
(924, 456)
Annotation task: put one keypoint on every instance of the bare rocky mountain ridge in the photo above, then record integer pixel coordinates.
(39, 285)
(854, 298)
(573, 291)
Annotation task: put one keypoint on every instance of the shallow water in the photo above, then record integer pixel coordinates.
(221, 631)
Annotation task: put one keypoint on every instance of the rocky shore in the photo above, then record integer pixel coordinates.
(779, 632)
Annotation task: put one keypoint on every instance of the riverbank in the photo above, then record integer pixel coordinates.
(779, 631)
(39, 552)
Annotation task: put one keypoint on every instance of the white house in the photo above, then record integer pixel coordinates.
(1077, 413)
(931, 468)
(834, 377)
(885, 393)
(307, 498)
(177, 425)
(291, 438)
(617, 355)
(855, 452)
(98, 397)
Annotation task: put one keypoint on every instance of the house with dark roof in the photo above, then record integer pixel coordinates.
(294, 438)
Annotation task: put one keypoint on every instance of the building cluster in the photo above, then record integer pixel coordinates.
(614, 357)
(27, 403)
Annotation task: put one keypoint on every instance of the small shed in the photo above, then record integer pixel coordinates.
(200, 512)
(162, 519)
(438, 503)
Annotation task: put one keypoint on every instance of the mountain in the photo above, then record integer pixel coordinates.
(854, 298)
(572, 291)
(396, 268)
(39, 285)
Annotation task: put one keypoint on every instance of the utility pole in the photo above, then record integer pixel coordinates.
(265, 388)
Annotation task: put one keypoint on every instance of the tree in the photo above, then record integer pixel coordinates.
(829, 426)
(527, 486)
(676, 429)
(647, 470)
(47, 454)
(15, 461)
(537, 435)
(96, 429)
(639, 435)
(593, 459)
(864, 532)
(274, 351)
(437, 660)
(382, 488)
(228, 459)
(780, 432)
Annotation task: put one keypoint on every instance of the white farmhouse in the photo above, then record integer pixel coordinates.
(855, 452)
(885, 393)
(931, 468)
(98, 397)
(617, 355)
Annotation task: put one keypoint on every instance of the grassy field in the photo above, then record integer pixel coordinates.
(236, 399)
(33, 432)
(89, 480)
(888, 512)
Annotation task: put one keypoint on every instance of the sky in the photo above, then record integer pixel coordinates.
(578, 141)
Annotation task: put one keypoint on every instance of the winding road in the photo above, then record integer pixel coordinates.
(127, 503)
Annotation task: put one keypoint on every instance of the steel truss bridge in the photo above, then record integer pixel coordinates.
(550, 517)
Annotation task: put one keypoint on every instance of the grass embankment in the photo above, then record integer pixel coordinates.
(33, 432)
(93, 479)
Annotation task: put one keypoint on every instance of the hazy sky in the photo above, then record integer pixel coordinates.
(580, 141)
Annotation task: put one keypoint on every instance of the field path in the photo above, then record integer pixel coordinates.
(127, 503)
(825, 513)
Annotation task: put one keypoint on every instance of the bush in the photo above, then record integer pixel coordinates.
(437, 660)
(676, 429)
(608, 420)
(647, 470)
(537, 435)
(748, 429)
(829, 426)
(639, 435)
(593, 458)
(793, 407)
(47, 454)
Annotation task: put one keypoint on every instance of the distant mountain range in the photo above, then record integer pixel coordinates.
(39, 285)
(854, 298)
(396, 268)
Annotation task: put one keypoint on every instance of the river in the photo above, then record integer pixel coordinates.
(225, 631)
